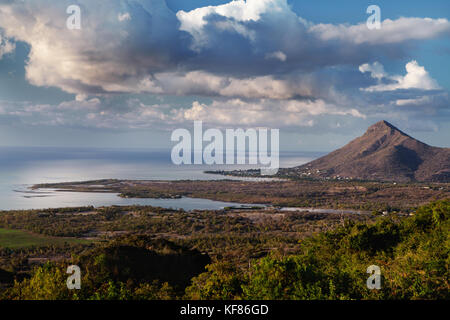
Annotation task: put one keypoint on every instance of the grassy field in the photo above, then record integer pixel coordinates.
(22, 239)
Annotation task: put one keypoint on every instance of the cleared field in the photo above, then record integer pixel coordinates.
(21, 239)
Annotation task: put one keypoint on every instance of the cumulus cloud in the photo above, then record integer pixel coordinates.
(376, 70)
(104, 52)
(416, 77)
(234, 17)
(239, 39)
(240, 36)
(414, 96)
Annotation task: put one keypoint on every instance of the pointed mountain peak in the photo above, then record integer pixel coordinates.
(383, 153)
(383, 124)
(384, 127)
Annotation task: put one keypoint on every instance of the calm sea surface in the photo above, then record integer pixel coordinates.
(23, 167)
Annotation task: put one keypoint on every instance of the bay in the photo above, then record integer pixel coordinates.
(21, 167)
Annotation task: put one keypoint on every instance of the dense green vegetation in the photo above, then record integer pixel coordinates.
(413, 254)
(131, 268)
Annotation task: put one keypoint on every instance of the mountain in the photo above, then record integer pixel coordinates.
(383, 153)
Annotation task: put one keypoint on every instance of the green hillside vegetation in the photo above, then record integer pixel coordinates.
(135, 267)
(413, 254)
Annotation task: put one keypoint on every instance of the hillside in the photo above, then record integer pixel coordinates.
(383, 153)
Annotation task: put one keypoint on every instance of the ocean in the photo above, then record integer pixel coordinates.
(21, 167)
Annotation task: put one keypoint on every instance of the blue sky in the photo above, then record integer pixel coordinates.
(138, 69)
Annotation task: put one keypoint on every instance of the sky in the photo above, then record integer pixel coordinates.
(138, 69)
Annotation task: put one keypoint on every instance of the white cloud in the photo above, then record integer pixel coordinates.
(277, 55)
(391, 31)
(270, 113)
(103, 53)
(208, 84)
(124, 16)
(237, 11)
(417, 101)
(428, 102)
(376, 70)
(94, 113)
(238, 40)
(416, 78)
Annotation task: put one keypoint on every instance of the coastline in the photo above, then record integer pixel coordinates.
(332, 195)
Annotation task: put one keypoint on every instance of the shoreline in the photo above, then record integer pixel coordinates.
(376, 197)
